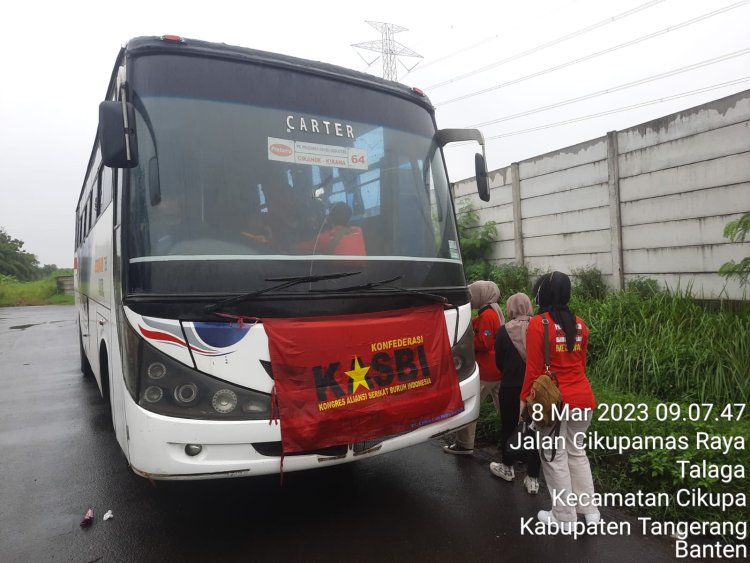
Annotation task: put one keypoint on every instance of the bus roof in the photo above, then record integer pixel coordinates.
(139, 46)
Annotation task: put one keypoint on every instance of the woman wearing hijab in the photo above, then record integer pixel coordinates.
(484, 297)
(569, 471)
(510, 357)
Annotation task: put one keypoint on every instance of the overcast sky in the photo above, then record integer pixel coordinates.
(485, 61)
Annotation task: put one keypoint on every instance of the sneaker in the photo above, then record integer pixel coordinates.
(531, 484)
(503, 471)
(592, 518)
(457, 450)
(546, 517)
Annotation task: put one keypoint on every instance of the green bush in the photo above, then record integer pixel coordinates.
(476, 242)
(737, 231)
(511, 278)
(588, 283)
(644, 287)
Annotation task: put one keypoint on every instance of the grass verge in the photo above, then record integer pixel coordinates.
(42, 292)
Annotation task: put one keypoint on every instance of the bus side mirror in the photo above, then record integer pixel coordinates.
(481, 175)
(117, 141)
(445, 136)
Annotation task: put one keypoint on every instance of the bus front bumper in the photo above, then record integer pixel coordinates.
(158, 444)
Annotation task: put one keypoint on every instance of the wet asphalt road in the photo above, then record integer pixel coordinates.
(58, 455)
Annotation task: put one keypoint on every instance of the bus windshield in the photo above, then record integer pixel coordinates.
(249, 172)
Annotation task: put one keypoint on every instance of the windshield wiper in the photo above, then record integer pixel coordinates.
(285, 282)
(368, 285)
(389, 290)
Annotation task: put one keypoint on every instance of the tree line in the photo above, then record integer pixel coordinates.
(18, 264)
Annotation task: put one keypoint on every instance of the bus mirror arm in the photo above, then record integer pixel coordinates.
(445, 136)
(117, 138)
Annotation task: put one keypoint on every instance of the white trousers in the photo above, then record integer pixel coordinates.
(465, 436)
(570, 470)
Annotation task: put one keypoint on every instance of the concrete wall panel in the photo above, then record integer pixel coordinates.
(692, 205)
(590, 197)
(687, 232)
(562, 223)
(568, 263)
(573, 243)
(503, 251)
(500, 214)
(712, 144)
(725, 171)
(570, 179)
(716, 114)
(569, 157)
(679, 259)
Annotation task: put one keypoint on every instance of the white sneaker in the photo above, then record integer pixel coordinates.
(532, 485)
(546, 517)
(592, 518)
(503, 471)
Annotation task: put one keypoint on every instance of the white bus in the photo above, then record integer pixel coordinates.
(213, 168)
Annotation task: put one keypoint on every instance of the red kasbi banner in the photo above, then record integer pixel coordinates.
(350, 378)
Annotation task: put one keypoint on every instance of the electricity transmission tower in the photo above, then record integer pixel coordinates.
(389, 49)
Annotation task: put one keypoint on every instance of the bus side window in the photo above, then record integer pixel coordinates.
(98, 199)
(104, 196)
(88, 220)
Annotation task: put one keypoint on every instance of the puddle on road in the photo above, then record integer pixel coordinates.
(24, 327)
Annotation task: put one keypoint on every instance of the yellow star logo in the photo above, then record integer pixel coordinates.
(358, 375)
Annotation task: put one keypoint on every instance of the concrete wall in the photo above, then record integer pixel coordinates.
(650, 201)
(65, 285)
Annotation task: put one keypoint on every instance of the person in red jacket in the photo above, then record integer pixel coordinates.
(484, 297)
(339, 237)
(569, 470)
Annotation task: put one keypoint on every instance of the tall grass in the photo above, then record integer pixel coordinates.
(668, 345)
(42, 292)
(511, 278)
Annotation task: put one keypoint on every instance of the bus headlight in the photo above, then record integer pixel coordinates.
(224, 401)
(156, 370)
(169, 388)
(186, 394)
(463, 354)
(153, 394)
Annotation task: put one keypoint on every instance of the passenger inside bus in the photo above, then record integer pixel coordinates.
(338, 237)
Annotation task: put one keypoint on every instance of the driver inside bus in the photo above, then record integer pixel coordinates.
(338, 237)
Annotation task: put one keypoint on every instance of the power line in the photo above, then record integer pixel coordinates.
(538, 47)
(470, 47)
(596, 54)
(616, 88)
(618, 110)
